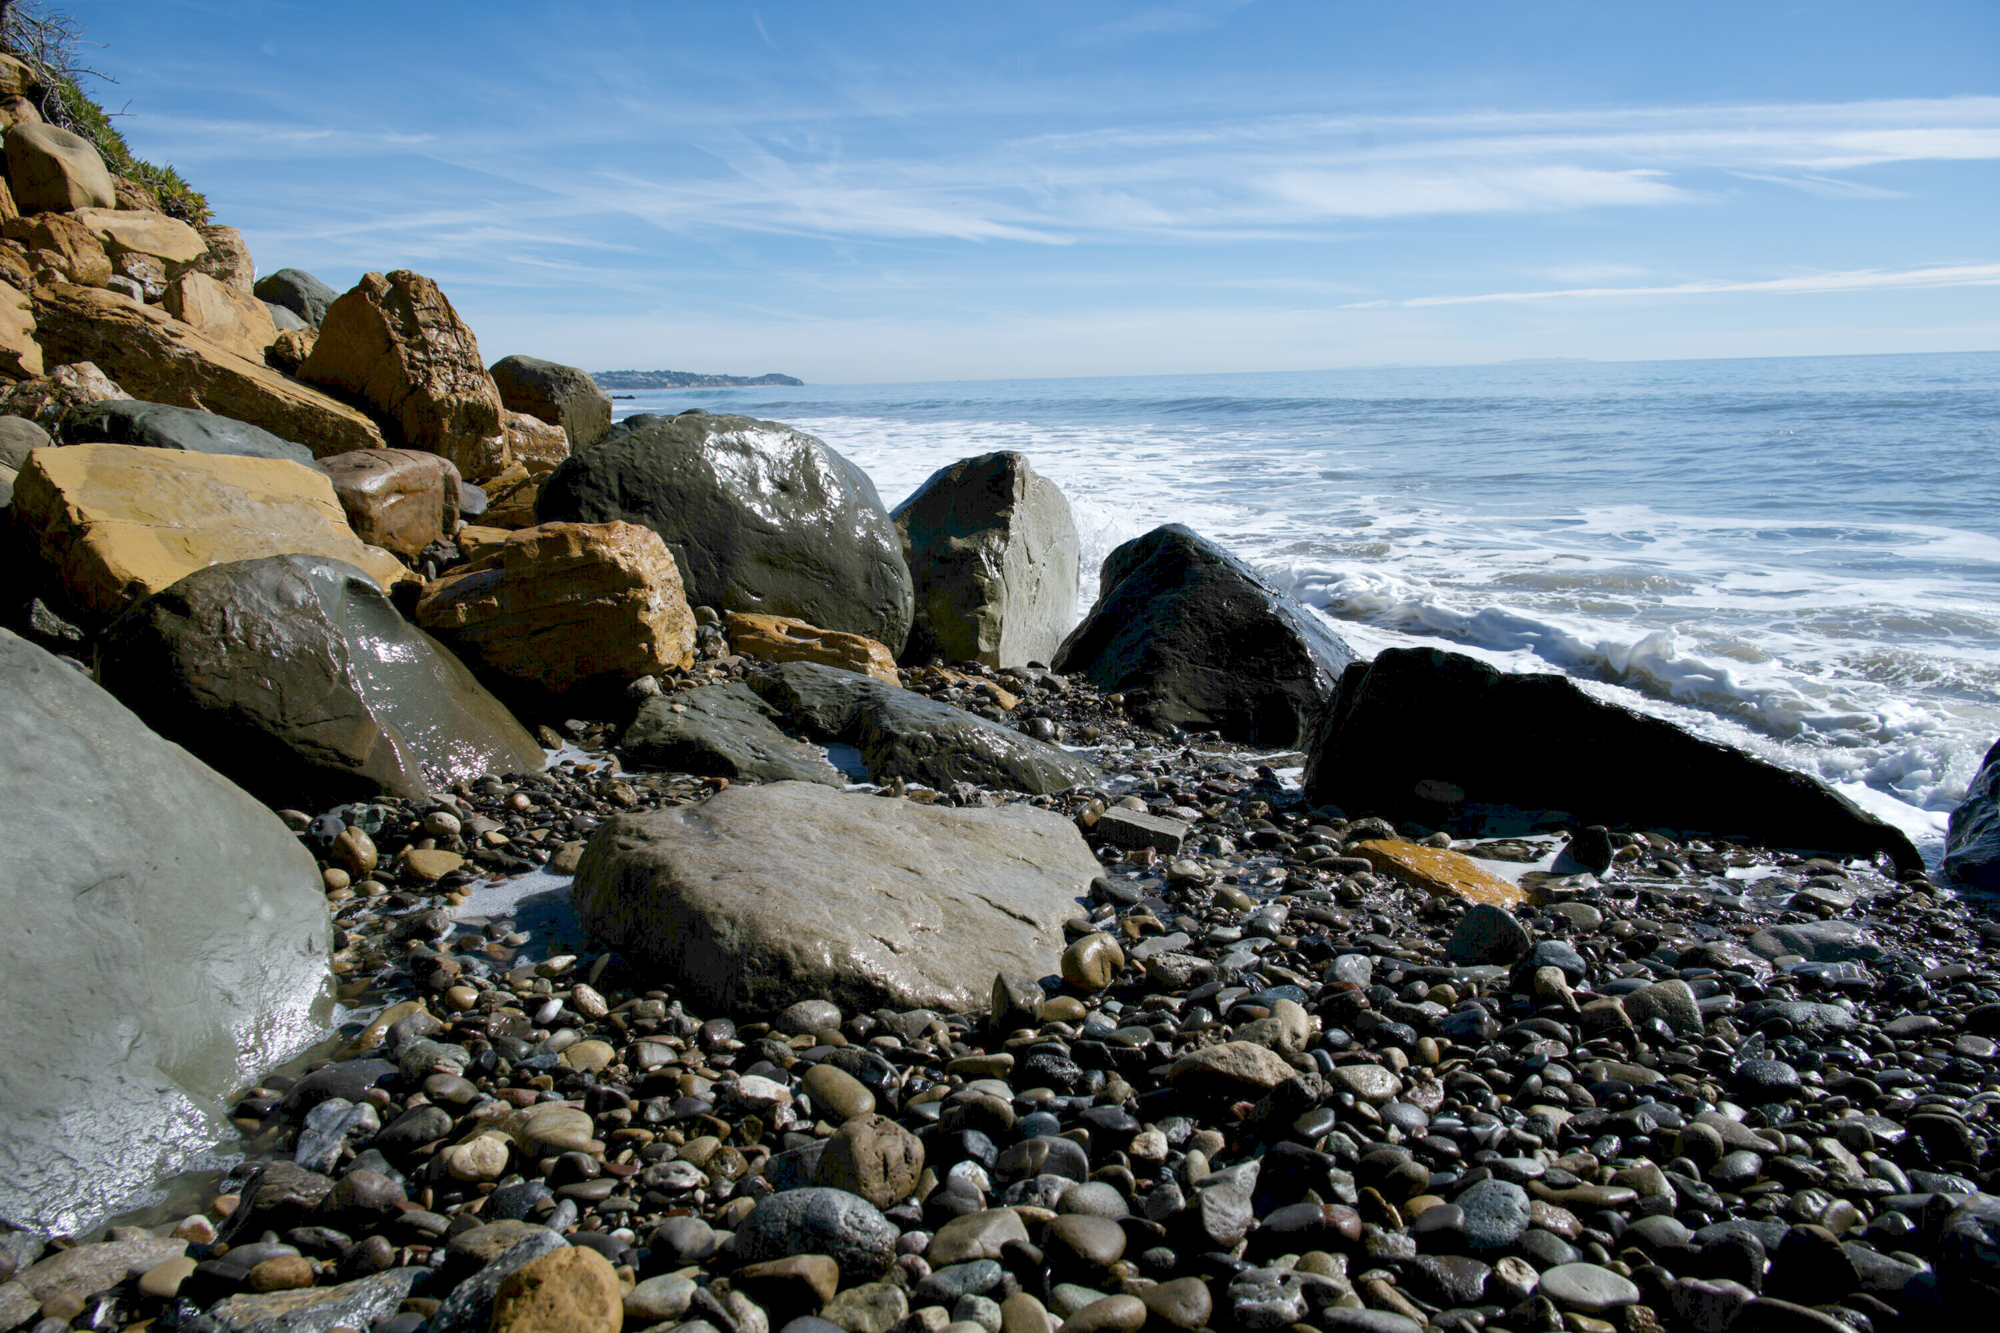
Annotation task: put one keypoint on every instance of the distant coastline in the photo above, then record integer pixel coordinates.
(685, 379)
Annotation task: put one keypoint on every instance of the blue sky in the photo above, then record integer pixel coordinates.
(870, 191)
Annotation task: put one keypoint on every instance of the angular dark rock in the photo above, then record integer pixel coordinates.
(723, 731)
(760, 517)
(1210, 643)
(298, 677)
(1972, 837)
(1424, 734)
(903, 734)
(994, 556)
(160, 426)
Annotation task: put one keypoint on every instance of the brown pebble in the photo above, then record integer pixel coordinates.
(285, 1272)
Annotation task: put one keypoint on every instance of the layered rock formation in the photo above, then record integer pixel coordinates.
(395, 343)
(117, 522)
(564, 608)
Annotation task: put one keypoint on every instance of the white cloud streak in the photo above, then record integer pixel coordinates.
(1853, 280)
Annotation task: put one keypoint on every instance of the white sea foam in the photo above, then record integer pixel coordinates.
(1797, 558)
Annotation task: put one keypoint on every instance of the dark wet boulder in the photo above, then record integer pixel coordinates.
(722, 731)
(559, 395)
(1206, 641)
(167, 942)
(296, 676)
(297, 291)
(1972, 838)
(1427, 735)
(161, 426)
(993, 555)
(759, 516)
(903, 734)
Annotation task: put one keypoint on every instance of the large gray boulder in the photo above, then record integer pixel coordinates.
(759, 516)
(167, 940)
(994, 558)
(297, 291)
(1972, 836)
(1199, 640)
(160, 426)
(722, 731)
(903, 734)
(763, 896)
(297, 677)
(559, 395)
(1428, 735)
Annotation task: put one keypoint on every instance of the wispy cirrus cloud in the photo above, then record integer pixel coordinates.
(1853, 280)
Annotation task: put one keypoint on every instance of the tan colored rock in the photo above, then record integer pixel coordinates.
(20, 354)
(233, 318)
(45, 400)
(1441, 871)
(873, 1156)
(159, 359)
(58, 242)
(145, 233)
(118, 522)
(14, 267)
(227, 259)
(1234, 1069)
(399, 499)
(783, 639)
(138, 197)
(289, 350)
(565, 606)
(510, 499)
(15, 76)
(8, 209)
(395, 342)
(147, 272)
(52, 169)
(477, 541)
(571, 1290)
(535, 445)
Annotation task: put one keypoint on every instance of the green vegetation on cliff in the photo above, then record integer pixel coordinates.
(47, 41)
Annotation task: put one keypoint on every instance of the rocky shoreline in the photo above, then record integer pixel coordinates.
(757, 909)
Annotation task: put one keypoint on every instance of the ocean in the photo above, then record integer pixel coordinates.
(1799, 556)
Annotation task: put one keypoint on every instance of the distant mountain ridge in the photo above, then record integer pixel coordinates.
(684, 379)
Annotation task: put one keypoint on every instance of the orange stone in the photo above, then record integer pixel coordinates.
(1441, 871)
(784, 639)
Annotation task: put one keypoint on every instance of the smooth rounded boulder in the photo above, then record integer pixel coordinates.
(760, 517)
(559, 395)
(167, 942)
(399, 499)
(994, 558)
(1204, 642)
(1972, 837)
(297, 677)
(764, 896)
(53, 169)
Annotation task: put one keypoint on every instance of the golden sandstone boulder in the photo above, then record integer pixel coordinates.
(20, 354)
(398, 499)
(395, 343)
(153, 234)
(510, 498)
(228, 315)
(227, 259)
(535, 444)
(783, 639)
(59, 243)
(52, 169)
(159, 359)
(564, 607)
(116, 522)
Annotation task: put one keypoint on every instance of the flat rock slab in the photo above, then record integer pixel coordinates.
(723, 731)
(1134, 829)
(160, 426)
(1441, 871)
(902, 734)
(764, 896)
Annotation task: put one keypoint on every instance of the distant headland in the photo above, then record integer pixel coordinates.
(685, 379)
